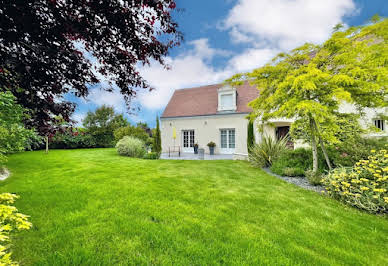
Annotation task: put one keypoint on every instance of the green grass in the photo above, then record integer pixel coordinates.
(93, 207)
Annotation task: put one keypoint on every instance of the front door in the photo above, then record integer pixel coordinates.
(188, 140)
(283, 132)
(228, 141)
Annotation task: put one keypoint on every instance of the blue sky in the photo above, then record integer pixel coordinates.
(224, 37)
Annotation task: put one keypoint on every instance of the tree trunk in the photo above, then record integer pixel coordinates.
(322, 146)
(314, 145)
(46, 138)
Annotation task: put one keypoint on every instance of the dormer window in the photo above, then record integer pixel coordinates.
(227, 98)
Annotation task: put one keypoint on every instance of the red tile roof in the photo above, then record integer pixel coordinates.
(204, 101)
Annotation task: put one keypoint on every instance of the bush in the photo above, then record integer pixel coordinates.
(267, 151)
(348, 153)
(10, 220)
(130, 146)
(298, 158)
(293, 171)
(34, 141)
(314, 178)
(136, 132)
(73, 140)
(364, 185)
(151, 156)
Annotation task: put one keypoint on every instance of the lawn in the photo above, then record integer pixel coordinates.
(93, 207)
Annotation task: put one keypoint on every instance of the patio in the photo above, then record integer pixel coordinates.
(192, 156)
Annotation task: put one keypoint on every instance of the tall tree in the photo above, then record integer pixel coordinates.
(49, 48)
(157, 138)
(102, 123)
(13, 135)
(250, 135)
(310, 83)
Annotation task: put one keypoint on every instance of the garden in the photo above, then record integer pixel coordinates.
(93, 206)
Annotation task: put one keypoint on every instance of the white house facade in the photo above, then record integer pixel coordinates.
(217, 113)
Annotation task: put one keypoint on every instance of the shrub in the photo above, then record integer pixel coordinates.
(364, 185)
(211, 144)
(157, 144)
(293, 171)
(351, 151)
(299, 158)
(73, 140)
(267, 151)
(10, 220)
(136, 132)
(314, 178)
(250, 135)
(34, 141)
(151, 156)
(130, 146)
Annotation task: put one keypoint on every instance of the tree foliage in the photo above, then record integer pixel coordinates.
(10, 220)
(310, 83)
(50, 48)
(250, 135)
(157, 147)
(137, 131)
(13, 135)
(102, 123)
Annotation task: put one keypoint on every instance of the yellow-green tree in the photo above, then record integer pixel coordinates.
(310, 83)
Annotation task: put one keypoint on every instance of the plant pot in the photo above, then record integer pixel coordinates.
(211, 150)
(195, 150)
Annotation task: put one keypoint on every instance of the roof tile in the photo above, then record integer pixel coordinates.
(204, 101)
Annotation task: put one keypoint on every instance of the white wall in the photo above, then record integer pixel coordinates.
(367, 119)
(206, 128)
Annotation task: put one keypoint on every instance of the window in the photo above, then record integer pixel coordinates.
(379, 123)
(228, 139)
(226, 101)
(232, 143)
(188, 138)
(224, 139)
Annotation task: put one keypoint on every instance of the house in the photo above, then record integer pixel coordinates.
(218, 113)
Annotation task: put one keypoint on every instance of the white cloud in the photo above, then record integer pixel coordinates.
(204, 51)
(286, 23)
(265, 26)
(192, 69)
(187, 69)
(99, 97)
(251, 59)
(78, 117)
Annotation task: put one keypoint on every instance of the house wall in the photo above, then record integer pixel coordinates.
(206, 128)
(366, 121)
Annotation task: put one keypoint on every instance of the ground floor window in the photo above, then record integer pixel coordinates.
(228, 138)
(379, 123)
(188, 138)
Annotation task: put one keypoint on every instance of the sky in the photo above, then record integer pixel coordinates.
(225, 37)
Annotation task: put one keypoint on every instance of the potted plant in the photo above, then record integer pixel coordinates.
(196, 148)
(211, 146)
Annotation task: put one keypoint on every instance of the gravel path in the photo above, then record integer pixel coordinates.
(299, 181)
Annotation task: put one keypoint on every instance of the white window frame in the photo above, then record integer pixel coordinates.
(380, 124)
(189, 148)
(228, 149)
(227, 91)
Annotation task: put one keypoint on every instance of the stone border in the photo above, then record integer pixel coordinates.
(299, 181)
(4, 174)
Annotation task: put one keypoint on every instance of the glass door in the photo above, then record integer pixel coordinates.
(228, 140)
(188, 140)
